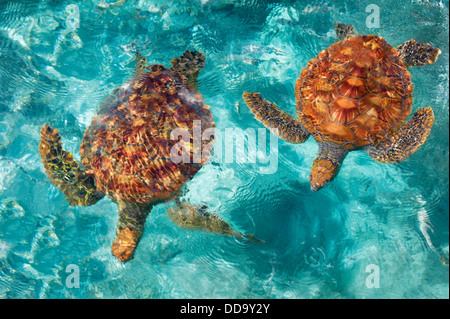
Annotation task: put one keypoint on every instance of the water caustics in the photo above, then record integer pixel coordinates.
(60, 60)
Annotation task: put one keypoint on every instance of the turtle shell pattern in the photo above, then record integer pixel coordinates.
(354, 93)
(128, 145)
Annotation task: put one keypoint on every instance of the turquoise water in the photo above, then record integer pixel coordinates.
(56, 68)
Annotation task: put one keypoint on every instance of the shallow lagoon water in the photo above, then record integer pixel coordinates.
(57, 69)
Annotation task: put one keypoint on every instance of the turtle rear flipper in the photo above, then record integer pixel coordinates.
(191, 217)
(189, 66)
(65, 172)
(140, 65)
(281, 123)
(415, 53)
(344, 31)
(400, 145)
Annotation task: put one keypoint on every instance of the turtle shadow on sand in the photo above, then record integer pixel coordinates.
(126, 151)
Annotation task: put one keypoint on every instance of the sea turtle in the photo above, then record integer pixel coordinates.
(127, 151)
(192, 217)
(356, 95)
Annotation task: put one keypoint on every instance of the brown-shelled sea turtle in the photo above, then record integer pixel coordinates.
(126, 151)
(356, 95)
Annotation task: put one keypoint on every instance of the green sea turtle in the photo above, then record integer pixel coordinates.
(355, 95)
(192, 217)
(126, 151)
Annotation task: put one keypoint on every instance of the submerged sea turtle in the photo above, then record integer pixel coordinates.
(126, 151)
(198, 218)
(356, 95)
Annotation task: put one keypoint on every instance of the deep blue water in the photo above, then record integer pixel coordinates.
(57, 68)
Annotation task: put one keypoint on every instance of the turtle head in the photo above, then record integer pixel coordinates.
(326, 165)
(322, 173)
(125, 244)
(324, 170)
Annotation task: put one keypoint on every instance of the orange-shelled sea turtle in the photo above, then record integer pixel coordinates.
(126, 151)
(355, 95)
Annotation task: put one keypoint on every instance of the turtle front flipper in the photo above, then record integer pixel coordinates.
(65, 172)
(191, 217)
(344, 31)
(326, 165)
(279, 122)
(415, 53)
(130, 227)
(397, 147)
(189, 66)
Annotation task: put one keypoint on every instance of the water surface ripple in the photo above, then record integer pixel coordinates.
(56, 69)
